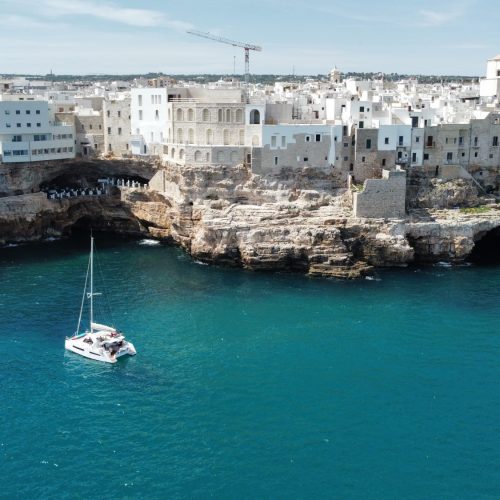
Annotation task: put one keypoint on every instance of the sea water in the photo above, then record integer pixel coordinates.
(247, 385)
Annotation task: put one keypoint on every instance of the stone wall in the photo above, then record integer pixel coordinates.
(382, 198)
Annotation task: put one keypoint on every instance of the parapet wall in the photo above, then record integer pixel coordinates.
(382, 198)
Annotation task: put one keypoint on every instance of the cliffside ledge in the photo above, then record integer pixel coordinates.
(233, 217)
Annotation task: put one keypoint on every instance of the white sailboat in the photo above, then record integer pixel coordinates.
(101, 342)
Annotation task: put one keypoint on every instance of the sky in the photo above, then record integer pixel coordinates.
(446, 37)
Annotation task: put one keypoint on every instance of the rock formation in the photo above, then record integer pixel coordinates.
(233, 217)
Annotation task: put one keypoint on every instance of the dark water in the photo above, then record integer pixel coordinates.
(248, 385)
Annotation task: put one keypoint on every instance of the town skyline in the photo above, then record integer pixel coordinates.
(86, 37)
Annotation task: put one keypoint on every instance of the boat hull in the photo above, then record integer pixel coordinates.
(78, 346)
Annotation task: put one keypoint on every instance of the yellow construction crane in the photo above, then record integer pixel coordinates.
(247, 46)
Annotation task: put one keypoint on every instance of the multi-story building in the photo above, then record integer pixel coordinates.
(29, 131)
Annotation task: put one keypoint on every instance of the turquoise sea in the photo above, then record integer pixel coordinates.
(248, 385)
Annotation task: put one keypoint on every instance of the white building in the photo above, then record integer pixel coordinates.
(490, 86)
(30, 132)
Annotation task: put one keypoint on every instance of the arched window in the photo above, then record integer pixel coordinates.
(179, 135)
(191, 136)
(254, 117)
(206, 115)
(234, 157)
(197, 156)
(225, 136)
(210, 136)
(190, 115)
(255, 140)
(181, 154)
(207, 157)
(180, 115)
(242, 137)
(172, 152)
(220, 115)
(165, 150)
(220, 157)
(239, 116)
(228, 115)
(169, 113)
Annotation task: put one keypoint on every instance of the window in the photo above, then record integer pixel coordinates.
(157, 115)
(7, 125)
(119, 114)
(446, 141)
(275, 160)
(308, 138)
(119, 131)
(239, 116)
(109, 130)
(361, 124)
(180, 114)
(346, 158)
(139, 99)
(317, 138)
(153, 99)
(495, 140)
(460, 141)
(18, 125)
(191, 136)
(475, 154)
(361, 109)
(108, 113)
(228, 115)
(205, 116)
(306, 158)
(37, 112)
(414, 157)
(197, 156)
(449, 156)
(254, 117)
(386, 140)
(17, 138)
(344, 130)
(18, 112)
(417, 139)
(7, 112)
(383, 162)
(346, 144)
(28, 125)
(368, 143)
(225, 136)
(283, 141)
(401, 140)
(273, 141)
(90, 127)
(430, 141)
(28, 112)
(475, 142)
(363, 159)
(140, 114)
(190, 115)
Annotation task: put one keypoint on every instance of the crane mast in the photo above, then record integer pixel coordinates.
(246, 46)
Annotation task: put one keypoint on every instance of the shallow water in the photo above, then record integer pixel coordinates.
(248, 385)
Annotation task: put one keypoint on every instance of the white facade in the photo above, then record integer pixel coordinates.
(29, 132)
(148, 120)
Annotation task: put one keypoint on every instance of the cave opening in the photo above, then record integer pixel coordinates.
(487, 249)
(111, 233)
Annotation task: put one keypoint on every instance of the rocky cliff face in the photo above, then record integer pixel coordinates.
(233, 217)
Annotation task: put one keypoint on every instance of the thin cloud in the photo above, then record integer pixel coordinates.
(436, 18)
(143, 18)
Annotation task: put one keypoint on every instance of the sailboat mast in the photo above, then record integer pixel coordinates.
(91, 283)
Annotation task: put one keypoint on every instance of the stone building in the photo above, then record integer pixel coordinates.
(116, 125)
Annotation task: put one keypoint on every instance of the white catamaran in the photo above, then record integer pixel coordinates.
(102, 342)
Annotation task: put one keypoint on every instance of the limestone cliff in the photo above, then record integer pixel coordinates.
(233, 217)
